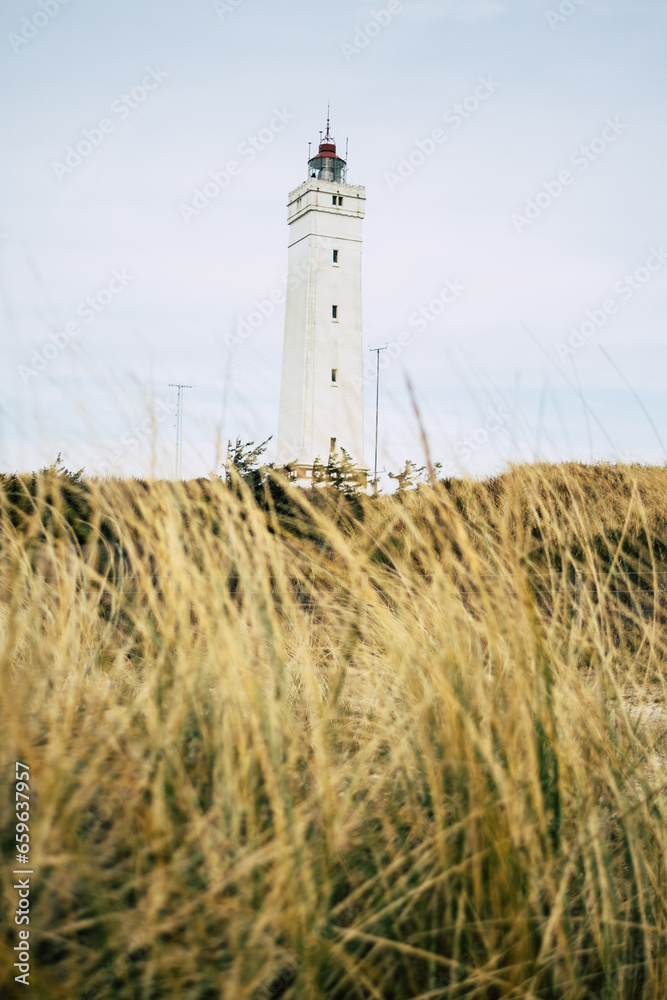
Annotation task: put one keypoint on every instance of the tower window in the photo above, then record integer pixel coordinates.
(334, 312)
(333, 199)
(335, 256)
(340, 201)
(334, 376)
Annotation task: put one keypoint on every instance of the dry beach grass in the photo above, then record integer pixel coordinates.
(393, 748)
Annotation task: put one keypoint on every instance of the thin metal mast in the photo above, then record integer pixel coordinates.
(179, 426)
(377, 412)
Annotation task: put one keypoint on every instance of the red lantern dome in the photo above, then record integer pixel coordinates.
(327, 165)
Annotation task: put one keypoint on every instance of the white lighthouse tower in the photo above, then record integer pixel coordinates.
(321, 396)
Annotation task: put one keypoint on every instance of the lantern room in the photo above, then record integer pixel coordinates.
(327, 165)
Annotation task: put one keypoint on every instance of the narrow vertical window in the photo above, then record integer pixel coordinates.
(340, 201)
(334, 312)
(335, 256)
(334, 376)
(333, 199)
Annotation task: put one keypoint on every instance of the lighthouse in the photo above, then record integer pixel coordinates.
(321, 397)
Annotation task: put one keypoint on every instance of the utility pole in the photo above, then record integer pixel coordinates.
(179, 426)
(377, 412)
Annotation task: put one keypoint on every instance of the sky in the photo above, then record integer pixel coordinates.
(515, 239)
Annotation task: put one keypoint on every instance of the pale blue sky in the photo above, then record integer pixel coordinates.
(219, 77)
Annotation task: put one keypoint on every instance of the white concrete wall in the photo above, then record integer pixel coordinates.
(313, 409)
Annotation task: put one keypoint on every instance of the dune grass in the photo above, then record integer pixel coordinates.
(412, 748)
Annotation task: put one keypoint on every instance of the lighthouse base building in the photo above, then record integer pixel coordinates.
(321, 393)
